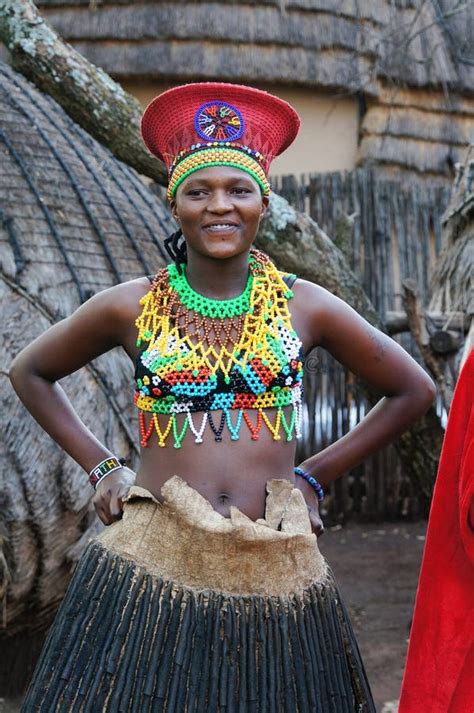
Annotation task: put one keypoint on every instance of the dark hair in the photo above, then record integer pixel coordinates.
(175, 246)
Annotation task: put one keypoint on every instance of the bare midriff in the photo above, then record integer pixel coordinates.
(225, 473)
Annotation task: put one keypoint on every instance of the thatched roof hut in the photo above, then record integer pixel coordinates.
(73, 220)
(452, 280)
(406, 65)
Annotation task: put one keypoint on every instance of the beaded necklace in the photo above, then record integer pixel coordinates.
(239, 356)
(206, 306)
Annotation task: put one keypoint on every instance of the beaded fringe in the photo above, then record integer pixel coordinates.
(126, 640)
(228, 420)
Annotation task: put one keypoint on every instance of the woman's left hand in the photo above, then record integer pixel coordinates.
(312, 502)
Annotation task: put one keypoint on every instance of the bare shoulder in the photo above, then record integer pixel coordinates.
(120, 302)
(331, 323)
(126, 292)
(313, 308)
(334, 325)
(309, 293)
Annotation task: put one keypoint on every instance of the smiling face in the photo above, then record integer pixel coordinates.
(219, 211)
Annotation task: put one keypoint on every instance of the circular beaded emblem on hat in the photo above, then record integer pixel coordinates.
(218, 121)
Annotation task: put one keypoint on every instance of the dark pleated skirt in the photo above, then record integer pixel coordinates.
(178, 610)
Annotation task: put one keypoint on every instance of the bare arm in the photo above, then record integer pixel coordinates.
(102, 323)
(407, 390)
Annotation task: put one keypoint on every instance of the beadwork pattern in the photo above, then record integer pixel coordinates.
(219, 121)
(240, 357)
(210, 144)
(215, 154)
(204, 305)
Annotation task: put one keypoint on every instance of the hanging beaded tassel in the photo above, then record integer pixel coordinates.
(203, 355)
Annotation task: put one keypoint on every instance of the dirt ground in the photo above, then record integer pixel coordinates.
(376, 567)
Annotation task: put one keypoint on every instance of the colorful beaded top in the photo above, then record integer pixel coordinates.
(227, 364)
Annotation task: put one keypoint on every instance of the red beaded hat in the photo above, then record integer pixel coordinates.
(217, 124)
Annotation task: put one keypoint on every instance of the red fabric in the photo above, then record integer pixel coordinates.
(168, 123)
(439, 673)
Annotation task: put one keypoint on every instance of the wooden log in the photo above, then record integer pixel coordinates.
(397, 322)
(468, 345)
(85, 91)
(445, 341)
(297, 243)
(419, 330)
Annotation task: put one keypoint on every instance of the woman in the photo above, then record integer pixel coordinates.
(208, 591)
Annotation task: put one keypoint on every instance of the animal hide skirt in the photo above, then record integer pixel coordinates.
(177, 609)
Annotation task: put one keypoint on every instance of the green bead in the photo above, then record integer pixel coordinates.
(206, 306)
(138, 343)
(227, 379)
(236, 163)
(148, 334)
(195, 372)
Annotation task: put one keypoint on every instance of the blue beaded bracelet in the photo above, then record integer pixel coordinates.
(312, 481)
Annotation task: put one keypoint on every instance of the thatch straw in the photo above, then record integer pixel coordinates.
(73, 221)
(408, 43)
(193, 60)
(424, 156)
(447, 128)
(429, 101)
(452, 279)
(230, 23)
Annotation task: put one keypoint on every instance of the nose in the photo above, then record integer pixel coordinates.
(220, 202)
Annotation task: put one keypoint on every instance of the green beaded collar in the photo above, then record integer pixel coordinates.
(205, 306)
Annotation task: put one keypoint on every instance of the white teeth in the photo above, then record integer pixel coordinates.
(220, 226)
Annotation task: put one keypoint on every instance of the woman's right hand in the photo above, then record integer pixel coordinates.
(312, 503)
(110, 493)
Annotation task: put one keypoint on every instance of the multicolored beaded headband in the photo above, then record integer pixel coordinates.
(217, 124)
